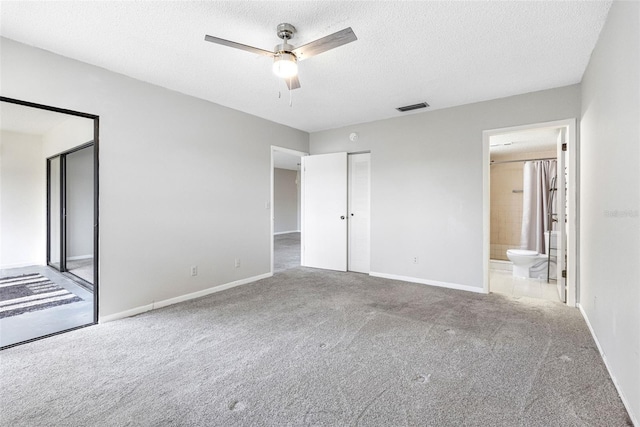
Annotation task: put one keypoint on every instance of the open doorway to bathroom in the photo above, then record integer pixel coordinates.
(49, 221)
(285, 208)
(528, 191)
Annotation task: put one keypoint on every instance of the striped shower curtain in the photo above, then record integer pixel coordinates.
(537, 178)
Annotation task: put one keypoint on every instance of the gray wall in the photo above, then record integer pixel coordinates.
(80, 204)
(426, 182)
(610, 198)
(73, 132)
(22, 200)
(285, 200)
(182, 181)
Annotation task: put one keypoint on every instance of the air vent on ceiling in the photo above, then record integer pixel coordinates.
(412, 107)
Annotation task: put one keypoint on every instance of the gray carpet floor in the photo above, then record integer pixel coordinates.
(310, 347)
(286, 252)
(83, 268)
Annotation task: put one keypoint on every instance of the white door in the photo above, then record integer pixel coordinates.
(324, 211)
(560, 208)
(359, 218)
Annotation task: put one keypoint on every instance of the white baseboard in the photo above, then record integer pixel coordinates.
(31, 263)
(20, 265)
(159, 304)
(429, 282)
(75, 258)
(126, 313)
(286, 232)
(606, 364)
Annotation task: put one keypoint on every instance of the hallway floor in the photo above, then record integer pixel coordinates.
(286, 251)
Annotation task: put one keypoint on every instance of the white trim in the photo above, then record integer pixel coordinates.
(572, 200)
(159, 304)
(126, 313)
(20, 265)
(285, 232)
(289, 151)
(486, 210)
(572, 227)
(75, 258)
(271, 200)
(606, 364)
(429, 282)
(32, 263)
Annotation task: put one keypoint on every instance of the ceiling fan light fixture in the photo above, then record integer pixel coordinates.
(285, 56)
(285, 65)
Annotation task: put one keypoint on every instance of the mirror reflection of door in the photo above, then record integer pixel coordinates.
(79, 213)
(71, 215)
(55, 216)
(49, 227)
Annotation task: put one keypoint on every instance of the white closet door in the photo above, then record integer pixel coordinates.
(359, 208)
(324, 211)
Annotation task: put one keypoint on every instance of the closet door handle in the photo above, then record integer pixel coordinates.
(342, 217)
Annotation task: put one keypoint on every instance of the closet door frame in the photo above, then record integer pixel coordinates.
(63, 208)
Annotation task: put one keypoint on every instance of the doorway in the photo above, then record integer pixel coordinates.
(532, 213)
(38, 296)
(285, 207)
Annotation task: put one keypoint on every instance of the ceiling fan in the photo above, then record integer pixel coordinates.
(285, 56)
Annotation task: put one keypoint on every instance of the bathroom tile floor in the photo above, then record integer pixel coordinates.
(503, 282)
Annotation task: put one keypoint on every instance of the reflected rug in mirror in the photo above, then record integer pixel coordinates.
(31, 292)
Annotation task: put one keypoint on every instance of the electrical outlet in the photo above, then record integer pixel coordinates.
(415, 259)
(237, 263)
(194, 270)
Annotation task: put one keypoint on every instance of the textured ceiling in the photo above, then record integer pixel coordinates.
(445, 53)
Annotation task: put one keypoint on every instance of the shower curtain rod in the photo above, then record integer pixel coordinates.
(493, 162)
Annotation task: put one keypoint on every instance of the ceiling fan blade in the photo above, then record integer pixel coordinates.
(325, 43)
(293, 83)
(240, 46)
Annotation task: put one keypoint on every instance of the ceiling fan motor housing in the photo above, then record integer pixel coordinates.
(283, 48)
(285, 31)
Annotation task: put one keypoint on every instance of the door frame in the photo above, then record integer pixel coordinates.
(284, 150)
(96, 198)
(572, 196)
(63, 206)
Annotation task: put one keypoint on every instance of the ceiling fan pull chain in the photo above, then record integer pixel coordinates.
(290, 95)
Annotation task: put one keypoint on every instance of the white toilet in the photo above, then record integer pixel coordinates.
(523, 260)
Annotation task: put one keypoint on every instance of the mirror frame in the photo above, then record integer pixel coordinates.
(96, 212)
